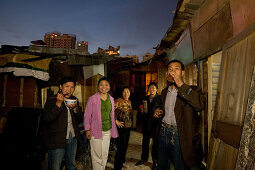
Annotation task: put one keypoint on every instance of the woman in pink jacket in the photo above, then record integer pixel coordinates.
(99, 124)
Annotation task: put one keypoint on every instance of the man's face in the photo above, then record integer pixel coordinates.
(176, 69)
(67, 89)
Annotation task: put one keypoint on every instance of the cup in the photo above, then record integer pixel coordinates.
(170, 78)
(145, 106)
(160, 113)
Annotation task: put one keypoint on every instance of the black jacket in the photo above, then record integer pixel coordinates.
(56, 123)
(150, 123)
(190, 100)
(156, 103)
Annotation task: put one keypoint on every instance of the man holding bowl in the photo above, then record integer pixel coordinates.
(61, 113)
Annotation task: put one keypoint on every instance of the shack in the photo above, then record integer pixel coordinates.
(215, 40)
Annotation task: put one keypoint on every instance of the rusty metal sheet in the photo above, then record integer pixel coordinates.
(206, 11)
(242, 13)
(210, 38)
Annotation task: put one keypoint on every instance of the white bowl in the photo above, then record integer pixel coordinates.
(70, 101)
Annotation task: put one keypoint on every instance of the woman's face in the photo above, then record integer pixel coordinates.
(104, 87)
(67, 89)
(153, 90)
(126, 93)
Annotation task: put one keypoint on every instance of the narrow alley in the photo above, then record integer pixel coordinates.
(134, 154)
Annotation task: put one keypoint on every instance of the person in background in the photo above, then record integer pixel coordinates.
(135, 104)
(150, 125)
(62, 127)
(99, 124)
(117, 91)
(123, 116)
(179, 139)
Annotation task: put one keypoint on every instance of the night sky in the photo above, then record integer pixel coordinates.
(135, 25)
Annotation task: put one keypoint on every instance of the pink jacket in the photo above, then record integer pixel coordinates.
(92, 117)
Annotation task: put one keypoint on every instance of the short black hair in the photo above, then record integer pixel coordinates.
(123, 88)
(103, 78)
(154, 84)
(67, 79)
(176, 61)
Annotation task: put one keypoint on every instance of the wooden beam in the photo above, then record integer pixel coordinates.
(192, 6)
(183, 15)
(228, 133)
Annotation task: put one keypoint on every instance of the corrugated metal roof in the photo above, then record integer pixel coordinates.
(185, 10)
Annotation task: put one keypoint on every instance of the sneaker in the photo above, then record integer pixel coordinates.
(140, 162)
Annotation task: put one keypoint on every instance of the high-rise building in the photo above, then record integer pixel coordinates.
(110, 51)
(82, 46)
(56, 40)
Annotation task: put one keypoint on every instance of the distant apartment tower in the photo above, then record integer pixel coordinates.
(82, 46)
(147, 56)
(110, 51)
(56, 40)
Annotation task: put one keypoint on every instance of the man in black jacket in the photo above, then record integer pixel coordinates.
(179, 137)
(62, 127)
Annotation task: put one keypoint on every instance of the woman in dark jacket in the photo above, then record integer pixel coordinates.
(150, 125)
(62, 127)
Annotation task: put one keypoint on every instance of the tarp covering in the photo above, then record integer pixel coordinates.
(17, 64)
(183, 49)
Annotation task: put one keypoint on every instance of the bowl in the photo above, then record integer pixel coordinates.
(70, 101)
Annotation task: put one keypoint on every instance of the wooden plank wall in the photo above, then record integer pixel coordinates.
(236, 72)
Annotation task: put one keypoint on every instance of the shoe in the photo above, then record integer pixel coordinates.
(140, 162)
(154, 167)
(125, 165)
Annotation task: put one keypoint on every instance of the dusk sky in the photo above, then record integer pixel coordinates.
(135, 25)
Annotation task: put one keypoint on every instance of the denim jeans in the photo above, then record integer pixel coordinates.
(170, 150)
(56, 156)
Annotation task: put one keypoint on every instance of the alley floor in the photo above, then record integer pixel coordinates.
(134, 154)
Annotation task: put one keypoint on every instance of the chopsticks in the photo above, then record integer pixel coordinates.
(60, 92)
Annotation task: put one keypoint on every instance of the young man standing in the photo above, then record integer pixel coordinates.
(179, 137)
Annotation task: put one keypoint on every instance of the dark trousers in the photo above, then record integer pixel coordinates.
(150, 130)
(122, 144)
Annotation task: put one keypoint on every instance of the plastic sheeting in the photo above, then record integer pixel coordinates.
(17, 64)
(183, 49)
